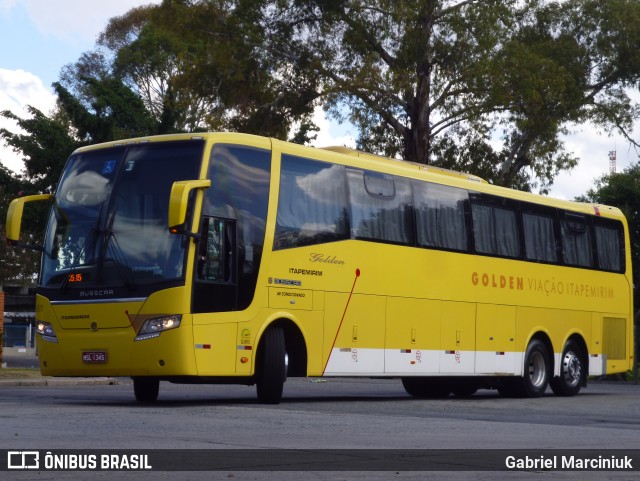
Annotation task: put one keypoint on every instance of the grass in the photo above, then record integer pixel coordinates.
(19, 373)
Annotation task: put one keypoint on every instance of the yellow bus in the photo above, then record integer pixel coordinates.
(230, 258)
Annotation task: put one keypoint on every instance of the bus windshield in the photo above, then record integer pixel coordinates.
(108, 224)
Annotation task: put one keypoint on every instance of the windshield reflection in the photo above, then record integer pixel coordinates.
(108, 226)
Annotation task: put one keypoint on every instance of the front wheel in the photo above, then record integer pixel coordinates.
(573, 371)
(146, 389)
(272, 366)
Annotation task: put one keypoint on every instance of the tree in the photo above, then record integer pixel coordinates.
(110, 111)
(45, 145)
(434, 80)
(198, 65)
(18, 266)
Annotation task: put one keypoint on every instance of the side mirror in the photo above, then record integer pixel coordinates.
(14, 215)
(179, 200)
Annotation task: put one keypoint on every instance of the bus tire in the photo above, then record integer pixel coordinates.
(271, 371)
(466, 388)
(423, 387)
(573, 371)
(537, 371)
(507, 387)
(146, 389)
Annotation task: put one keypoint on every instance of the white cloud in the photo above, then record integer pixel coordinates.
(73, 20)
(17, 90)
(327, 136)
(592, 147)
(7, 5)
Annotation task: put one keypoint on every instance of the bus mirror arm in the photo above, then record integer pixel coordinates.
(14, 219)
(180, 230)
(178, 205)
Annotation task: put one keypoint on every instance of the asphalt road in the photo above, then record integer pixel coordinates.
(315, 414)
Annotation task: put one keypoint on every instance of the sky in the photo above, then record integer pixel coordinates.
(40, 37)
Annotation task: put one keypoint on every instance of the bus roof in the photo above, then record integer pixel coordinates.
(427, 168)
(460, 178)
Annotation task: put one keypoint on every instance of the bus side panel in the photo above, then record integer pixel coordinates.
(457, 355)
(215, 348)
(616, 345)
(359, 343)
(412, 336)
(495, 339)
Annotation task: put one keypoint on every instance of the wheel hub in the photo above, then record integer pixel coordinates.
(537, 371)
(571, 368)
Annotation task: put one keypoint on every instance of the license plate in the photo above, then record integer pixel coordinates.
(94, 356)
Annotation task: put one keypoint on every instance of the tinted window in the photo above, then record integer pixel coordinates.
(576, 241)
(495, 230)
(539, 237)
(108, 224)
(381, 207)
(440, 217)
(233, 228)
(609, 244)
(312, 207)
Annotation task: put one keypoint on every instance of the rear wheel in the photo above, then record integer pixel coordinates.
(537, 370)
(146, 389)
(573, 371)
(272, 366)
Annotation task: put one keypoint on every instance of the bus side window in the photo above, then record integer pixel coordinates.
(440, 216)
(381, 207)
(610, 245)
(539, 237)
(576, 241)
(312, 205)
(216, 250)
(495, 227)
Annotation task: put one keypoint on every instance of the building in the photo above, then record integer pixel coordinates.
(18, 316)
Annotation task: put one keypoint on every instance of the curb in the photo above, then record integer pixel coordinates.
(70, 381)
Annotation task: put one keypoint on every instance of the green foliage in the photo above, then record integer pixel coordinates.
(114, 111)
(17, 266)
(45, 145)
(447, 81)
(202, 65)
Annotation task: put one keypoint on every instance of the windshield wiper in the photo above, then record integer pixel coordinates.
(118, 258)
(90, 242)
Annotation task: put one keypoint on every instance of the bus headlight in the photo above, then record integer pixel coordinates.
(153, 327)
(45, 329)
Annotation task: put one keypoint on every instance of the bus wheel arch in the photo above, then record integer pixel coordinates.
(281, 353)
(538, 365)
(573, 368)
(537, 369)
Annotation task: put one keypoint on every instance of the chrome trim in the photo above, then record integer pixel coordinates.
(100, 301)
